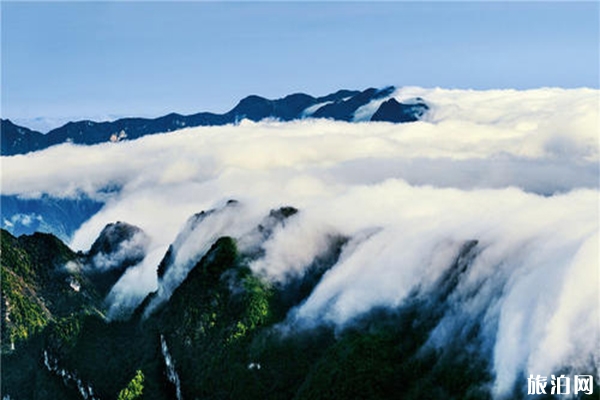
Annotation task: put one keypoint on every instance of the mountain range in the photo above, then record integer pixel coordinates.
(341, 105)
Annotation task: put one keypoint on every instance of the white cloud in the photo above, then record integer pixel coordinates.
(22, 219)
(313, 109)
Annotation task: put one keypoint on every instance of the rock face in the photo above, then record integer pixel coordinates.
(340, 105)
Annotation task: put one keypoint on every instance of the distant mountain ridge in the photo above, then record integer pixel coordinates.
(340, 105)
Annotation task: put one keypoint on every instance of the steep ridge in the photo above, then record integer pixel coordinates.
(44, 282)
(41, 281)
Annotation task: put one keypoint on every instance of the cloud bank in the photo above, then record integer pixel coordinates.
(515, 170)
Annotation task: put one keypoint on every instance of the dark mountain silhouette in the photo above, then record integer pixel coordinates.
(393, 111)
(18, 140)
(340, 105)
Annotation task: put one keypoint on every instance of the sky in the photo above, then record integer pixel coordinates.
(103, 60)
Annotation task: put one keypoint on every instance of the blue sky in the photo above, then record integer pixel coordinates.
(81, 59)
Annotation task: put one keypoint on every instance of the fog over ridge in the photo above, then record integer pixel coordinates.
(516, 171)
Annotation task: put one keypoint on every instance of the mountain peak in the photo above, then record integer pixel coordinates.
(112, 236)
(393, 111)
(118, 247)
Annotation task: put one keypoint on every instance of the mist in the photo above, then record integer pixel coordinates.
(515, 170)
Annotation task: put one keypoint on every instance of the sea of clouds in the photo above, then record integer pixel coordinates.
(515, 170)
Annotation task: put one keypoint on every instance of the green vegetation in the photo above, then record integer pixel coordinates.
(39, 311)
(23, 313)
(16, 257)
(63, 332)
(221, 326)
(36, 285)
(256, 300)
(134, 389)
